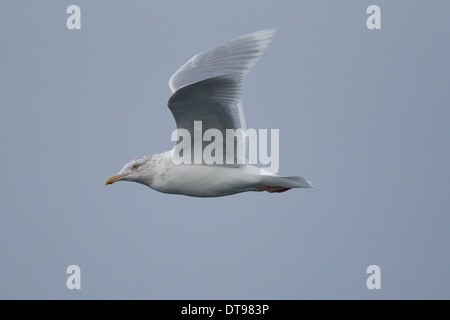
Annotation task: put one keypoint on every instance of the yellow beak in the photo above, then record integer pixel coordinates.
(114, 178)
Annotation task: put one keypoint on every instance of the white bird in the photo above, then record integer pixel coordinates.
(208, 88)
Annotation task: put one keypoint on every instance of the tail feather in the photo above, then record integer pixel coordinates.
(302, 182)
(284, 183)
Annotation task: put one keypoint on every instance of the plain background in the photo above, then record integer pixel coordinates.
(364, 114)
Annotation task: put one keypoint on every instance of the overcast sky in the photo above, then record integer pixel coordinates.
(363, 114)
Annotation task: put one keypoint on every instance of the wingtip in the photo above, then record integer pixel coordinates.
(267, 32)
(265, 35)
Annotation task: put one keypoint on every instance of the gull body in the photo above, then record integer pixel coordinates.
(196, 180)
(208, 89)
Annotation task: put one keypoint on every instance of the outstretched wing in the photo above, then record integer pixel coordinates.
(208, 89)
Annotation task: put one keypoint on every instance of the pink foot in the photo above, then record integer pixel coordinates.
(274, 189)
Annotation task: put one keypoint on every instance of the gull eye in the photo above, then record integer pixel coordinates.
(135, 166)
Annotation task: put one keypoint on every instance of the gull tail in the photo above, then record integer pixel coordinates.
(281, 184)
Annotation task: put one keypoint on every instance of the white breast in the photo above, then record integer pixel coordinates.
(203, 180)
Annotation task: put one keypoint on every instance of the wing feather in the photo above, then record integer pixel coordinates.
(238, 55)
(208, 88)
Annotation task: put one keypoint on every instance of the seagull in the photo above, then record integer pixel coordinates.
(207, 90)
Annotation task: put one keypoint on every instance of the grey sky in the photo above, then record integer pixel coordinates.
(362, 114)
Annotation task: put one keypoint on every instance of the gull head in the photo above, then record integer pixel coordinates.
(140, 170)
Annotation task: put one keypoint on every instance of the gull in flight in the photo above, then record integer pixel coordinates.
(207, 91)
